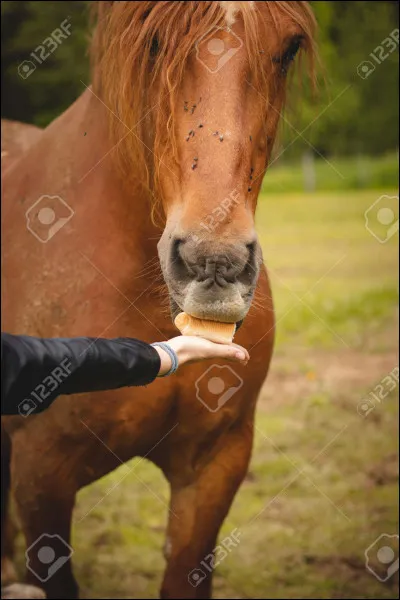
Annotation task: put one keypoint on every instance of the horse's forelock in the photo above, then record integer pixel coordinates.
(232, 8)
(139, 54)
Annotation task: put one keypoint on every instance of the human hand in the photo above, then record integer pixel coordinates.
(194, 348)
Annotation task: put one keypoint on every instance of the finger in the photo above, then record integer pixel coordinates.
(234, 359)
(231, 352)
(242, 349)
(237, 351)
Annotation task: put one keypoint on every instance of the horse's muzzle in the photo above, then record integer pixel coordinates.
(215, 285)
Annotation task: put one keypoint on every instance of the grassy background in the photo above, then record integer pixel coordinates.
(323, 479)
(323, 260)
(335, 173)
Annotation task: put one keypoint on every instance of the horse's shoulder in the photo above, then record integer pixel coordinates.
(16, 139)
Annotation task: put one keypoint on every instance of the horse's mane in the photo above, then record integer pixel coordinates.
(139, 55)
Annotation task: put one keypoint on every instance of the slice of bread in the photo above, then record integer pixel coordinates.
(221, 333)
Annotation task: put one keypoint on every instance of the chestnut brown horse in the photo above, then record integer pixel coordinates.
(193, 92)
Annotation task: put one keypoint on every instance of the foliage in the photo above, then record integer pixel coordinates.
(56, 83)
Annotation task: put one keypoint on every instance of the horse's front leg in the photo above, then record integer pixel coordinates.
(44, 493)
(197, 511)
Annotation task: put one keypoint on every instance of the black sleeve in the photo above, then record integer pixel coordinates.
(37, 370)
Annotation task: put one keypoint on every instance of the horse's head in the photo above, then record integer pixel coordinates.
(201, 86)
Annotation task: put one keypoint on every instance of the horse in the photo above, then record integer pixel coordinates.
(137, 203)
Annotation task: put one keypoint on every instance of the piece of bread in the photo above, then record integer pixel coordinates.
(222, 333)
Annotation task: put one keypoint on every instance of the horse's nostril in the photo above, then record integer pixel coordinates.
(180, 266)
(251, 248)
(175, 249)
(250, 271)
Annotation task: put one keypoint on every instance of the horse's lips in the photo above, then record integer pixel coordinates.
(176, 309)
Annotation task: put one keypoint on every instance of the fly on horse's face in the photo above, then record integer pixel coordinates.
(216, 73)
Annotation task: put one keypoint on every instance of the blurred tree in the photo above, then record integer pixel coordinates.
(357, 115)
(55, 83)
(349, 115)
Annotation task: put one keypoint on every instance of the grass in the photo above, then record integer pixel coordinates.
(323, 480)
(338, 282)
(335, 174)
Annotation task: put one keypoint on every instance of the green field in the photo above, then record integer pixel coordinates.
(322, 261)
(322, 485)
(334, 173)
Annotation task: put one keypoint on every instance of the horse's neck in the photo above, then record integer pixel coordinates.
(75, 159)
(104, 255)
